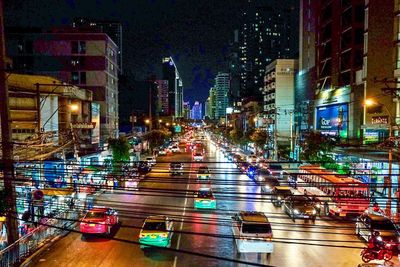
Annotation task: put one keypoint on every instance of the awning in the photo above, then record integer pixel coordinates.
(57, 191)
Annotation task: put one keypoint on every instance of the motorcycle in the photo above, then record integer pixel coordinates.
(368, 254)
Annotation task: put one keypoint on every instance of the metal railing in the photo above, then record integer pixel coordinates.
(17, 252)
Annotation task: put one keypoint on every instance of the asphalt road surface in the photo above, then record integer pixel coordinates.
(203, 238)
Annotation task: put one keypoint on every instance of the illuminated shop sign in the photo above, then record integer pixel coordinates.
(333, 119)
(380, 120)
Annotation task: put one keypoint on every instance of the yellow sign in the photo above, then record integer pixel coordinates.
(58, 191)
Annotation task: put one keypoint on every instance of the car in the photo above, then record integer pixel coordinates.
(151, 160)
(237, 158)
(251, 171)
(243, 166)
(275, 170)
(268, 184)
(367, 223)
(156, 231)
(198, 156)
(203, 173)
(261, 174)
(251, 159)
(252, 232)
(229, 156)
(176, 168)
(204, 199)
(163, 152)
(300, 206)
(279, 193)
(144, 167)
(98, 220)
(175, 149)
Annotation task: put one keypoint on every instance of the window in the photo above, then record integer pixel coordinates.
(78, 47)
(75, 77)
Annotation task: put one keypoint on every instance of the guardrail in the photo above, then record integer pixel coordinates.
(17, 252)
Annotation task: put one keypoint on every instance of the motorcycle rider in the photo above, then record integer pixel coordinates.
(375, 243)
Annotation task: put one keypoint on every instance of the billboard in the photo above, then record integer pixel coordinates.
(333, 119)
(96, 123)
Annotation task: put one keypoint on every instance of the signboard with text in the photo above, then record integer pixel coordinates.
(332, 119)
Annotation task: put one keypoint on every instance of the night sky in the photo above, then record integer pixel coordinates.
(195, 32)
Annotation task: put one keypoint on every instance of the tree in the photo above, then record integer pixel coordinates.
(120, 152)
(156, 138)
(315, 147)
(259, 137)
(236, 136)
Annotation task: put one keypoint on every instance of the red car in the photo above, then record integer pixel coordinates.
(99, 220)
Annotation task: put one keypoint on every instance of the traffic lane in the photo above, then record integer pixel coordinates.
(200, 225)
(218, 222)
(133, 207)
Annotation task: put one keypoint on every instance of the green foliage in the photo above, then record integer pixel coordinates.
(120, 152)
(236, 136)
(156, 137)
(315, 147)
(259, 138)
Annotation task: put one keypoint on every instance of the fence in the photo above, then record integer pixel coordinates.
(26, 245)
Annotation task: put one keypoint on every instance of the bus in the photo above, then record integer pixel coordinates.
(339, 195)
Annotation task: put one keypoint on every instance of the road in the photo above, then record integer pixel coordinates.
(203, 237)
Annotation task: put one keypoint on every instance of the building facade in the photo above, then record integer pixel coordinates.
(112, 28)
(46, 110)
(175, 87)
(269, 31)
(186, 110)
(162, 104)
(222, 87)
(279, 92)
(196, 112)
(87, 60)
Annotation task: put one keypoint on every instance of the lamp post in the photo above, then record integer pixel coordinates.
(370, 102)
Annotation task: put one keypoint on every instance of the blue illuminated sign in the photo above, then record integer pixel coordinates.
(333, 118)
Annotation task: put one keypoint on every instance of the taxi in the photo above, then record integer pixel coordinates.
(99, 220)
(204, 199)
(156, 231)
(203, 173)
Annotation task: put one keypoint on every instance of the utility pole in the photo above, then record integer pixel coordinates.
(7, 147)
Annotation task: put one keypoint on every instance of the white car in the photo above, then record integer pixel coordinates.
(151, 160)
(162, 152)
(252, 232)
(198, 156)
(175, 149)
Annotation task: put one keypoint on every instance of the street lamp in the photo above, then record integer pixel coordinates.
(147, 121)
(72, 107)
(167, 124)
(369, 103)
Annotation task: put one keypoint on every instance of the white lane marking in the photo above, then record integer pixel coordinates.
(183, 215)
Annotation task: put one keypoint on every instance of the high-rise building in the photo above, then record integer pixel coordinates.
(186, 110)
(222, 86)
(279, 101)
(306, 76)
(234, 69)
(112, 28)
(175, 87)
(269, 31)
(196, 112)
(351, 53)
(88, 60)
(162, 104)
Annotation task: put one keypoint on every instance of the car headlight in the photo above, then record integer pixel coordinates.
(279, 198)
(296, 211)
(318, 206)
(267, 187)
(379, 238)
